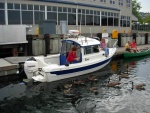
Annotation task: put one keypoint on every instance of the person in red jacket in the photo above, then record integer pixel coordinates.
(72, 55)
(133, 46)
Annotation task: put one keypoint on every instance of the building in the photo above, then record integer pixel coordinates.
(89, 16)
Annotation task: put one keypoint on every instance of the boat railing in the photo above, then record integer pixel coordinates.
(114, 46)
(148, 50)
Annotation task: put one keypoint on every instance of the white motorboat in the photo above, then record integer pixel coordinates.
(54, 67)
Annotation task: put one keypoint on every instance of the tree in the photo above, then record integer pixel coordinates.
(147, 19)
(136, 6)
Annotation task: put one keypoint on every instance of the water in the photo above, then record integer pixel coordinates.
(19, 97)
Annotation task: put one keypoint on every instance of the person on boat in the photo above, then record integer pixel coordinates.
(128, 47)
(104, 47)
(72, 58)
(134, 47)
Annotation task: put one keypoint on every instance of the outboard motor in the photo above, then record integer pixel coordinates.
(30, 67)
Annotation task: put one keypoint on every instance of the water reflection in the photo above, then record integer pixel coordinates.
(84, 95)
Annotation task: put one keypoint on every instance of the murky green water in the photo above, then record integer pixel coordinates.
(20, 97)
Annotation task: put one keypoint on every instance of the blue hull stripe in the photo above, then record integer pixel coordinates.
(80, 69)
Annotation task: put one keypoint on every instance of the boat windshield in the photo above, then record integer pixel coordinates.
(66, 47)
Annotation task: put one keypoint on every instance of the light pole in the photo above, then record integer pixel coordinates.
(137, 25)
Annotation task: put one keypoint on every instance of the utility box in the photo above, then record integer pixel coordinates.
(149, 38)
(123, 41)
(47, 27)
(138, 40)
(12, 34)
(63, 27)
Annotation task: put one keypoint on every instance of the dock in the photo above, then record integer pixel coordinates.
(11, 65)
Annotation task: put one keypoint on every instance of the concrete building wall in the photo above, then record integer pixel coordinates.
(122, 10)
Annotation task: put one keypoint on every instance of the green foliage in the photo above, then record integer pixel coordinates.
(147, 19)
(136, 6)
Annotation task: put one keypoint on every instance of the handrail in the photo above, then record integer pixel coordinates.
(148, 50)
(115, 44)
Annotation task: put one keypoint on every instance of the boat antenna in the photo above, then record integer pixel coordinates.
(80, 23)
(91, 32)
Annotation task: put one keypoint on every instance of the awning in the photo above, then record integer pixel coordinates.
(134, 18)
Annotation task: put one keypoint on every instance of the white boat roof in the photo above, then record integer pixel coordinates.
(84, 41)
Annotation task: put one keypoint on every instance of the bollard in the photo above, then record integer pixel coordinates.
(99, 35)
(146, 38)
(29, 45)
(119, 39)
(21, 70)
(47, 44)
(134, 36)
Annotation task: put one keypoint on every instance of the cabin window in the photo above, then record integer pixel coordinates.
(87, 50)
(66, 47)
(95, 49)
(91, 49)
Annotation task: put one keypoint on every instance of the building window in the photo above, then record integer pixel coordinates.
(2, 14)
(27, 17)
(81, 16)
(42, 8)
(52, 13)
(120, 2)
(128, 21)
(89, 17)
(64, 9)
(96, 18)
(128, 3)
(30, 7)
(104, 19)
(103, 1)
(71, 16)
(10, 6)
(27, 14)
(125, 21)
(13, 17)
(116, 19)
(16, 6)
(2, 17)
(112, 1)
(49, 8)
(2, 6)
(110, 19)
(62, 15)
(36, 7)
(24, 6)
(38, 17)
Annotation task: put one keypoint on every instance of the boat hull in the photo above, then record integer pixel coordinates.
(54, 72)
(63, 74)
(142, 53)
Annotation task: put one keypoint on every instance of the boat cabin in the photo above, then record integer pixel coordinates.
(86, 48)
